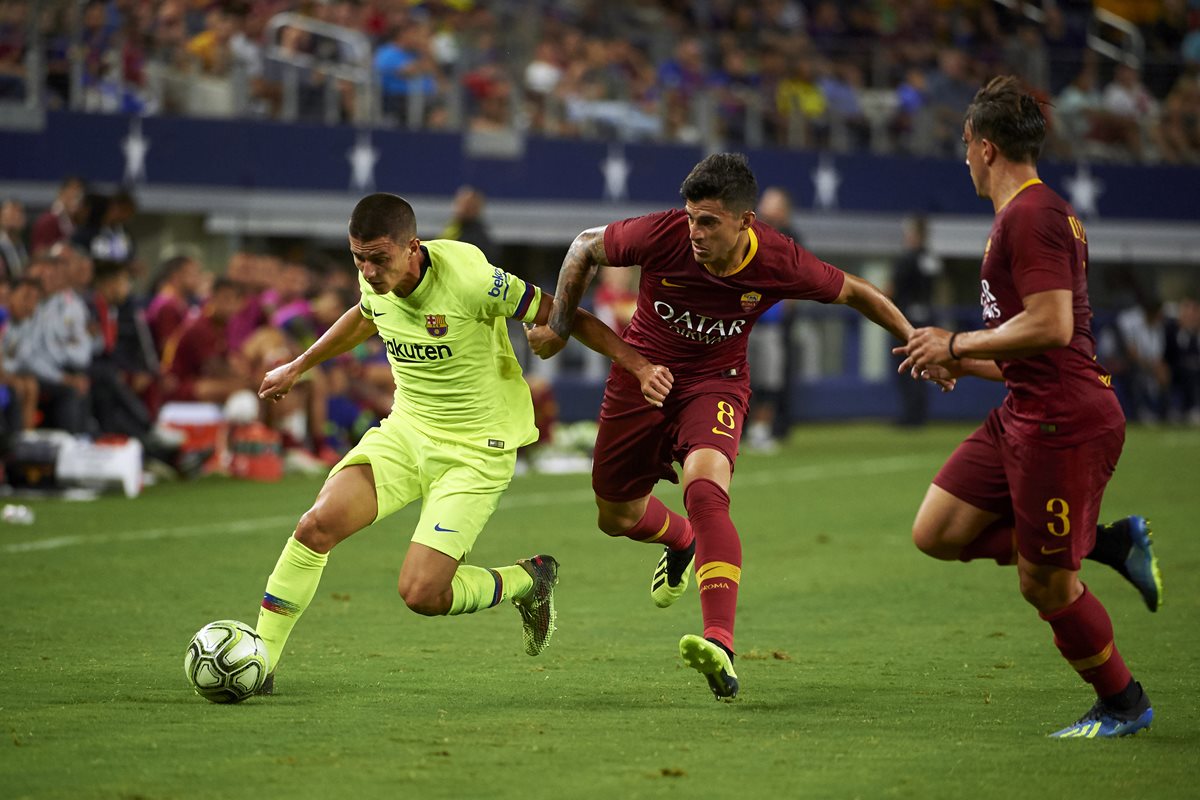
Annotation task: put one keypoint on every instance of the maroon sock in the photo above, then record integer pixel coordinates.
(661, 525)
(1083, 633)
(996, 541)
(718, 558)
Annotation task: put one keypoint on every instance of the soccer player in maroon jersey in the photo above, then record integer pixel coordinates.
(1026, 486)
(709, 270)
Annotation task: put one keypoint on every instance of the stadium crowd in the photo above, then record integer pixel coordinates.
(843, 75)
(84, 353)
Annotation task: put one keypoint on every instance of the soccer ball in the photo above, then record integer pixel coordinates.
(226, 661)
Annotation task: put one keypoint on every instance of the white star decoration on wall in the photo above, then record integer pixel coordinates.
(826, 180)
(135, 146)
(363, 158)
(1085, 190)
(616, 171)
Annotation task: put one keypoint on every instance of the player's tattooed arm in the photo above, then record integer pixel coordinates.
(583, 258)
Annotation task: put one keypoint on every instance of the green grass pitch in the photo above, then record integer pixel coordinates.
(867, 669)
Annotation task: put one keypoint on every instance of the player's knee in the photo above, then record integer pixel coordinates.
(615, 519)
(315, 533)
(930, 542)
(425, 599)
(613, 524)
(1051, 591)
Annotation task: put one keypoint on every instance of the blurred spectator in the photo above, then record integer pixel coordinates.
(614, 302)
(912, 119)
(1126, 98)
(211, 48)
(802, 106)
(407, 74)
(1180, 122)
(14, 256)
(57, 223)
(14, 22)
(1026, 56)
(912, 285)
(951, 87)
(467, 225)
(198, 360)
(48, 340)
(176, 288)
(1087, 126)
(18, 392)
(1138, 361)
(105, 235)
(842, 85)
(769, 349)
(1182, 356)
(257, 275)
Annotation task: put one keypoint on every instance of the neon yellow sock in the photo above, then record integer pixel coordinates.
(478, 587)
(289, 591)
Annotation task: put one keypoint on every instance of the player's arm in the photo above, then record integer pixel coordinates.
(1047, 322)
(351, 330)
(655, 380)
(867, 299)
(585, 255)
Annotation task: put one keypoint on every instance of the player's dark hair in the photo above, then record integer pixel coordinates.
(1009, 118)
(382, 214)
(725, 177)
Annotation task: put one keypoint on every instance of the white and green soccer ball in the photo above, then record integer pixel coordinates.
(226, 661)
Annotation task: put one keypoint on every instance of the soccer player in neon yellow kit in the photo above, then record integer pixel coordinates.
(460, 412)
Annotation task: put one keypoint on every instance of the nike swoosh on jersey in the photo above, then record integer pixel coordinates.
(720, 432)
(666, 282)
(437, 526)
(1051, 552)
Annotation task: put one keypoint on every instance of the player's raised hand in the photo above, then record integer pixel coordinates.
(278, 382)
(544, 341)
(656, 383)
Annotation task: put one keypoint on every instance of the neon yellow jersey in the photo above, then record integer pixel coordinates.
(456, 374)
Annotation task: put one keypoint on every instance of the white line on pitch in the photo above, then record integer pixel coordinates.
(877, 466)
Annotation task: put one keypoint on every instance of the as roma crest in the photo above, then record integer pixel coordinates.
(436, 325)
(750, 300)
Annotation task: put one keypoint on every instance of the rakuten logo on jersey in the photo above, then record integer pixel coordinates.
(696, 326)
(403, 353)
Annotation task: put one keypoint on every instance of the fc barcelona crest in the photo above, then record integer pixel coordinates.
(436, 325)
(750, 300)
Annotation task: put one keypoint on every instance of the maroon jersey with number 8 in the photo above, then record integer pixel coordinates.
(694, 322)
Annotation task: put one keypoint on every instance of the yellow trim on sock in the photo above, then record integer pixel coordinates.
(661, 530)
(719, 569)
(1091, 662)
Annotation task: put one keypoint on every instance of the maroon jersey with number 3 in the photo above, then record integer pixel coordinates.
(1037, 244)
(694, 322)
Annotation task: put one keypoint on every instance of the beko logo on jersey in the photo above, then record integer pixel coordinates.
(413, 353)
(500, 285)
(696, 326)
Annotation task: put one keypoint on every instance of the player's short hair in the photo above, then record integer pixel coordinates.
(106, 270)
(1009, 118)
(725, 177)
(382, 214)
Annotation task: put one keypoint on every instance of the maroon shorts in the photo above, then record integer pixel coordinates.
(1052, 494)
(638, 444)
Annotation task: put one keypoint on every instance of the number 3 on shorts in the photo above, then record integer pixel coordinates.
(726, 418)
(1058, 508)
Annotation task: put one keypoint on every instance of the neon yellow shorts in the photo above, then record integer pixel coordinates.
(459, 485)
